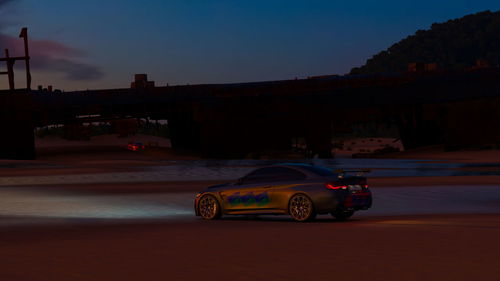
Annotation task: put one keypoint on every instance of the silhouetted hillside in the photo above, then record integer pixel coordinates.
(455, 44)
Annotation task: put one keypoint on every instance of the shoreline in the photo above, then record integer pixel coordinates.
(106, 156)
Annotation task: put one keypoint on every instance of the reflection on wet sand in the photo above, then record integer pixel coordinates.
(34, 205)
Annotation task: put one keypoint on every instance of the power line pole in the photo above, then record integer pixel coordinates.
(24, 35)
(12, 60)
(10, 69)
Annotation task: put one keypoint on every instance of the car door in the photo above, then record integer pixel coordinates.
(260, 190)
(251, 192)
(281, 186)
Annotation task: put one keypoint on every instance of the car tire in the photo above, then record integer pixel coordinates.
(342, 215)
(301, 208)
(209, 208)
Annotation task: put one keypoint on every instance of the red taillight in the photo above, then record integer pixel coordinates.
(365, 186)
(335, 186)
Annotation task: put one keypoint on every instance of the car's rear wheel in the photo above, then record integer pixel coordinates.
(342, 215)
(209, 208)
(301, 208)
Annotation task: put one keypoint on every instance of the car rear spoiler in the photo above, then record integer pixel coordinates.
(359, 173)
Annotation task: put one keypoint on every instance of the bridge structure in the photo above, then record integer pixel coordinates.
(457, 109)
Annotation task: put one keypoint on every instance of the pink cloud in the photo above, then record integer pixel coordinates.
(49, 55)
(53, 48)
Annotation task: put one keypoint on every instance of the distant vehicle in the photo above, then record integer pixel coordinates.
(136, 146)
(299, 190)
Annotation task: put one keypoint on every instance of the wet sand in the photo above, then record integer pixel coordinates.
(370, 247)
(460, 247)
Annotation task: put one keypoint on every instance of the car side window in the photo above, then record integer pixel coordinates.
(273, 174)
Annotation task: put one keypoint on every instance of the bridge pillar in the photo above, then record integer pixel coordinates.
(472, 124)
(320, 144)
(416, 129)
(184, 131)
(17, 140)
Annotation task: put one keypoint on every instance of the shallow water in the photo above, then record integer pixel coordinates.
(379, 167)
(228, 170)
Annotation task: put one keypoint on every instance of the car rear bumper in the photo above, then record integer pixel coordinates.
(357, 201)
(343, 200)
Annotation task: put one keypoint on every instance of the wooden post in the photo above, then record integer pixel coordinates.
(10, 69)
(24, 35)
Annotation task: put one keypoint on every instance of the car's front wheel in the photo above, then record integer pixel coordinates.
(301, 208)
(209, 208)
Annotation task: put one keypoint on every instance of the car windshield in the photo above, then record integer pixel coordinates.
(272, 174)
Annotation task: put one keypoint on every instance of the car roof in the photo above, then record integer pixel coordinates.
(304, 168)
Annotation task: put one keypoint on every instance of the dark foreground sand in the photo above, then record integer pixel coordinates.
(457, 247)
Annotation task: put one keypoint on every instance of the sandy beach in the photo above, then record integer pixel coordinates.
(397, 248)
(374, 246)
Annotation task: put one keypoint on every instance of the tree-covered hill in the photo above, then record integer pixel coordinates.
(455, 44)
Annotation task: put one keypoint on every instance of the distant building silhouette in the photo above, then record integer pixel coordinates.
(141, 81)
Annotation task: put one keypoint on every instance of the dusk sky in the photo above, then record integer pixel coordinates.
(95, 44)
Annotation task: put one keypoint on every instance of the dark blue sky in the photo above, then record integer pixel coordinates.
(203, 41)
